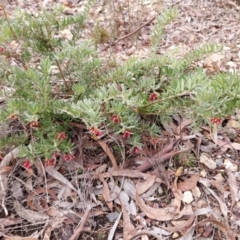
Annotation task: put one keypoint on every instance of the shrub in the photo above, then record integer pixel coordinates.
(51, 78)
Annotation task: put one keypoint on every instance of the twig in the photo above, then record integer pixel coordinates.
(128, 35)
(81, 226)
(163, 155)
(63, 77)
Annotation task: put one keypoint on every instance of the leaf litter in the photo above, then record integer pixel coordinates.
(199, 202)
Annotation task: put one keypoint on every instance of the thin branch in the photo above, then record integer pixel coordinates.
(81, 226)
(63, 77)
(128, 35)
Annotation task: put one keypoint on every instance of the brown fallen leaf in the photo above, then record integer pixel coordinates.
(160, 214)
(109, 153)
(36, 192)
(57, 175)
(189, 183)
(222, 204)
(106, 193)
(144, 186)
(181, 227)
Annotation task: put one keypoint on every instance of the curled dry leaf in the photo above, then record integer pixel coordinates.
(160, 214)
(188, 183)
(222, 204)
(144, 186)
(183, 226)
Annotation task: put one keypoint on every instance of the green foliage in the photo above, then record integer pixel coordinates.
(58, 79)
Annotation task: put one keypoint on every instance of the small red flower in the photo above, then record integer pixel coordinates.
(96, 132)
(127, 134)
(136, 150)
(13, 116)
(115, 118)
(34, 124)
(61, 136)
(1, 49)
(216, 120)
(68, 157)
(50, 162)
(27, 164)
(153, 97)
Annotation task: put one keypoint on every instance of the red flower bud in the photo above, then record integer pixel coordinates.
(34, 124)
(216, 120)
(127, 134)
(49, 162)
(115, 118)
(61, 136)
(68, 157)
(136, 150)
(96, 132)
(153, 97)
(27, 164)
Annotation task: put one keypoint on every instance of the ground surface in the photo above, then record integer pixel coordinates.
(195, 195)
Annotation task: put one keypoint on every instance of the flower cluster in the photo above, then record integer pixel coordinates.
(216, 120)
(116, 119)
(61, 136)
(95, 132)
(34, 124)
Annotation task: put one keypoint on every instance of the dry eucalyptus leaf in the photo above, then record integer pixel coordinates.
(222, 204)
(29, 215)
(57, 175)
(189, 183)
(129, 188)
(120, 197)
(106, 194)
(144, 186)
